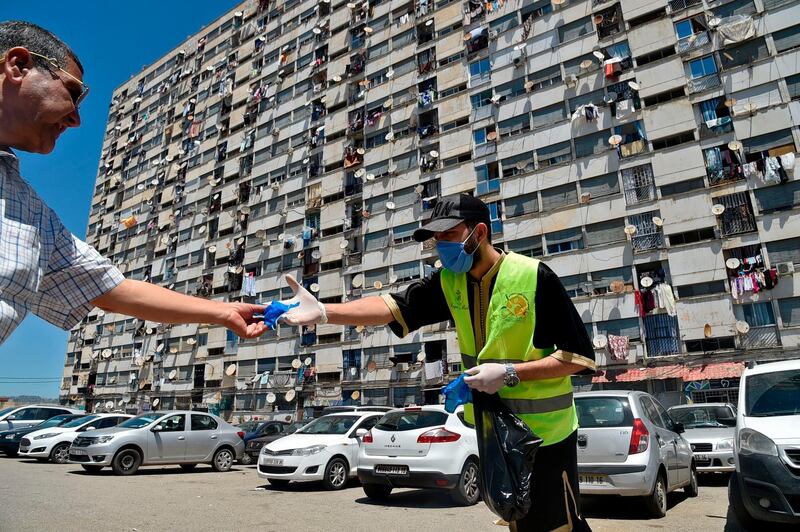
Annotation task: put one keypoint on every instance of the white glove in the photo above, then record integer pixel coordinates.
(487, 378)
(308, 312)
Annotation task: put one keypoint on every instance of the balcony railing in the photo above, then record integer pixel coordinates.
(703, 84)
(678, 5)
(693, 42)
(760, 338)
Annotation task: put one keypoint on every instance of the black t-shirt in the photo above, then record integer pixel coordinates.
(558, 324)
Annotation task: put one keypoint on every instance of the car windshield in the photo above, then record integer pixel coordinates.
(249, 426)
(695, 417)
(78, 422)
(6, 410)
(329, 425)
(57, 421)
(773, 394)
(140, 421)
(411, 420)
(294, 427)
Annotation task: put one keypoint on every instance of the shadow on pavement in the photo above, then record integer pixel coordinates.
(622, 509)
(305, 487)
(152, 471)
(419, 499)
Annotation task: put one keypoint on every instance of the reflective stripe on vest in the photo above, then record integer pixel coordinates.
(545, 405)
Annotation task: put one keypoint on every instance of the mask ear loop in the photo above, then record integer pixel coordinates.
(464, 243)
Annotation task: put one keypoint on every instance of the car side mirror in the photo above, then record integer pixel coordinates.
(728, 421)
(360, 433)
(89, 428)
(678, 427)
(12, 417)
(157, 428)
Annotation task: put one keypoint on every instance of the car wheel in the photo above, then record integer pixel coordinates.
(246, 459)
(279, 482)
(188, 467)
(223, 460)
(691, 489)
(126, 462)
(656, 502)
(747, 521)
(60, 453)
(336, 473)
(377, 491)
(467, 492)
(11, 454)
(91, 468)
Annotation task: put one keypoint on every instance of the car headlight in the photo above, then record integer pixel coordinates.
(307, 451)
(45, 436)
(725, 445)
(264, 450)
(751, 441)
(10, 436)
(103, 439)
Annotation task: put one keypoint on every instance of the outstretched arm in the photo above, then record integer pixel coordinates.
(151, 302)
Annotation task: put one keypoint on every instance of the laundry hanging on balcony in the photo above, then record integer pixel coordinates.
(736, 28)
(589, 111)
(618, 346)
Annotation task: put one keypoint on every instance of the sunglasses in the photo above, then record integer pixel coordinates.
(76, 98)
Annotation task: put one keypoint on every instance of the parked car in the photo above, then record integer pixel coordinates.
(326, 449)
(261, 428)
(421, 447)
(19, 417)
(710, 429)
(10, 439)
(628, 445)
(253, 447)
(355, 408)
(765, 486)
(159, 438)
(53, 443)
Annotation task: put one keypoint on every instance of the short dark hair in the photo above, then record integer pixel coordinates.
(472, 224)
(36, 39)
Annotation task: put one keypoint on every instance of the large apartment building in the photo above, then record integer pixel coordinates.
(643, 148)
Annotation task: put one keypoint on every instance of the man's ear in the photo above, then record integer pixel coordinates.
(17, 62)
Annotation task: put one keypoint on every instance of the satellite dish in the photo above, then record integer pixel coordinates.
(159, 348)
(521, 165)
(434, 154)
(617, 287)
(598, 54)
(392, 168)
(392, 279)
(172, 374)
(600, 341)
(633, 85)
(343, 244)
(646, 281)
(260, 234)
(112, 380)
(586, 63)
(120, 402)
(732, 263)
(735, 145)
(281, 236)
(361, 151)
(657, 221)
(127, 397)
(95, 354)
(358, 280)
(437, 264)
(717, 209)
(390, 73)
(377, 285)
(370, 177)
(615, 140)
(337, 78)
(355, 395)
(191, 341)
(296, 363)
(316, 255)
(707, 331)
(421, 356)
(109, 405)
(101, 313)
(314, 287)
(201, 229)
(388, 103)
(390, 205)
(610, 97)
(156, 402)
(106, 353)
(730, 102)
(360, 172)
(368, 30)
(389, 136)
(271, 398)
(372, 366)
(359, 329)
(290, 396)
(630, 230)
(742, 327)
(230, 371)
(173, 349)
(307, 361)
(212, 249)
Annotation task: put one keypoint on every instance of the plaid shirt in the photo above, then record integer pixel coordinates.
(44, 268)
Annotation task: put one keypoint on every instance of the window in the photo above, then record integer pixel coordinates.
(518, 164)
(495, 217)
(744, 53)
(522, 205)
(404, 197)
(514, 126)
(662, 335)
(690, 237)
(666, 96)
(545, 78)
(737, 7)
(682, 186)
(556, 197)
(710, 344)
(376, 241)
(624, 327)
(756, 314)
(574, 285)
(648, 235)
(601, 280)
(569, 32)
(591, 144)
(406, 271)
(504, 23)
(481, 99)
(793, 82)
(789, 309)
(673, 140)
(701, 289)
(487, 179)
(605, 232)
(549, 115)
(639, 184)
(372, 276)
(704, 66)
(595, 97)
(566, 240)
(554, 154)
(778, 198)
(201, 422)
(738, 215)
(175, 423)
(597, 187)
(404, 233)
(655, 56)
(530, 246)
(511, 89)
(480, 69)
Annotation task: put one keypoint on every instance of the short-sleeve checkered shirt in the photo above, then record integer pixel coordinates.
(44, 268)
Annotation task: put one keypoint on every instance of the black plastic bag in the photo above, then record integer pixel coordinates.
(507, 448)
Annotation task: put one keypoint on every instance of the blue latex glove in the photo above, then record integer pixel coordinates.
(456, 393)
(274, 311)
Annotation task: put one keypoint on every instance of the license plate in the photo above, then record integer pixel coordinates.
(701, 457)
(78, 452)
(23, 449)
(391, 469)
(273, 461)
(592, 479)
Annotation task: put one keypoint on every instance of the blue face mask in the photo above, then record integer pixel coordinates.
(453, 255)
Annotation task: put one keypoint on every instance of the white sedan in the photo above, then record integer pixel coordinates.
(326, 449)
(421, 447)
(53, 443)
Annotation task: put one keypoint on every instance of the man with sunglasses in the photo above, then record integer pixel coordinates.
(44, 268)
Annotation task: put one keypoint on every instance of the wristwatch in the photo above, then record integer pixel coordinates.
(511, 379)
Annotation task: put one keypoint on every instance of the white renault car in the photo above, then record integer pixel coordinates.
(53, 443)
(326, 449)
(421, 447)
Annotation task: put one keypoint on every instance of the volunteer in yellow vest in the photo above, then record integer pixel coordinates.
(518, 332)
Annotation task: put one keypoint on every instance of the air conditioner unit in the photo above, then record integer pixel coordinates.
(402, 366)
(785, 268)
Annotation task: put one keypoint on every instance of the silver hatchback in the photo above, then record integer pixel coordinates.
(159, 438)
(628, 445)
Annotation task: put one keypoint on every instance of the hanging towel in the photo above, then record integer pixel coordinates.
(618, 345)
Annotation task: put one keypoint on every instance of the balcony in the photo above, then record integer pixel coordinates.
(692, 42)
(738, 215)
(673, 6)
(704, 83)
(760, 338)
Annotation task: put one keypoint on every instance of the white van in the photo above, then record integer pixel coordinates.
(767, 446)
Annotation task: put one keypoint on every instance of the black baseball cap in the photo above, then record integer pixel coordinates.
(451, 211)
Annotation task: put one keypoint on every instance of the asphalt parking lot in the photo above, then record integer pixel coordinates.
(44, 496)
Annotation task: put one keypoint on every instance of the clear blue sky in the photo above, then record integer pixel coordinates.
(113, 40)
